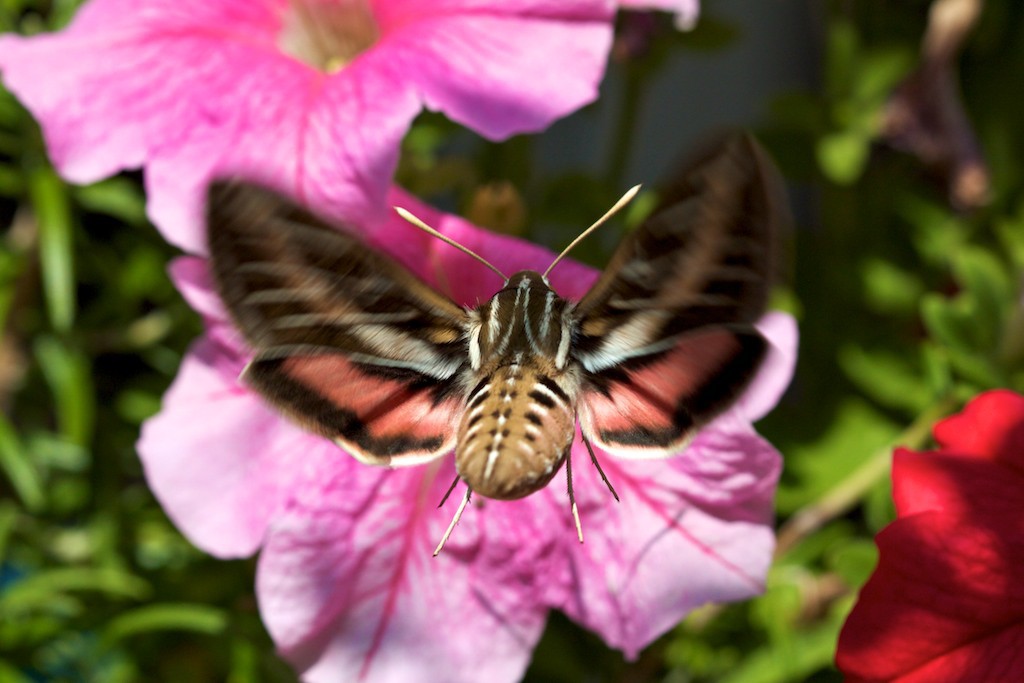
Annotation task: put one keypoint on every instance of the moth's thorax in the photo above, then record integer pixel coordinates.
(526, 318)
(520, 417)
(517, 428)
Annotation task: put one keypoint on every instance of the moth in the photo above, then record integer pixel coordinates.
(352, 346)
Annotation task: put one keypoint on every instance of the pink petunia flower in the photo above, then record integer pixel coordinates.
(346, 582)
(313, 95)
(946, 602)
(686, 11)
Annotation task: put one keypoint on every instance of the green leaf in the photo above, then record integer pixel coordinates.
(937, 370)
(165, 617)
(794, 660)
(61, 13)
(879, 71)
(21, 472)
(813, 548)
(854, 434)
(141, 275)
(977, 369)
(11, 674)
(854, 560)
(49, 198)
(984, 278)
(639, 209)
(52, 451)
(938, 234)
(117, 197)
(877, 504)
(1011, 235)
(8, 518)
(841, 52)
(136, 406)
(889, 289)
(244, 663)
(1011, 346)
(12, 181)
(67, 372)
(947, 323)
(34, 629)
(38, 590)
(843, 155)
(886, 377)
(778, 610)
(696, 659)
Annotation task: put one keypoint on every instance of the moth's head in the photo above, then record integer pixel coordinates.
(521, 289)
(527, 279)
(524, 319)
(525, 289)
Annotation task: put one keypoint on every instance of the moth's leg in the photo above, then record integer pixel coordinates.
(593, 459)
(449, 491)
(572, 497)
(455, 520)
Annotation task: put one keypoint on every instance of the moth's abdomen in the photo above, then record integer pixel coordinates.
(517, 429)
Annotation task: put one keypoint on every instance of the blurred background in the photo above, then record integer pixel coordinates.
(900, 130)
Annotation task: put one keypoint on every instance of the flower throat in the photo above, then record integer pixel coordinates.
(328, 34)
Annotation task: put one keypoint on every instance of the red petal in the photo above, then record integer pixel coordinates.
(990, 426)
(987, 493)
(944, 604)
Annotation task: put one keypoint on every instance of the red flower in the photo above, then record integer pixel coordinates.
(946, 602)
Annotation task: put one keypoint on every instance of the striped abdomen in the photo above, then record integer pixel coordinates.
(518, 427)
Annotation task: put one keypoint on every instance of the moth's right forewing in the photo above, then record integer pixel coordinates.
(705, 255)
(666, 335)
(347, 341)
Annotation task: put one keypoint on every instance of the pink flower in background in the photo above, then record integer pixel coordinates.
(946, 602)
(346, 581)
(686, 11)
(312, 96)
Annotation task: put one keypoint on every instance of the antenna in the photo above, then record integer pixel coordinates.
(447, 240)
(625, 199)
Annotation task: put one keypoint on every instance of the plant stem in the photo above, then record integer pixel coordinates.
(845, 495)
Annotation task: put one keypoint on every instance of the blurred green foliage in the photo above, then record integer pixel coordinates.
(907, 309)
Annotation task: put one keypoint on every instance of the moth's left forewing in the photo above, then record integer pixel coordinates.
(666, 336)
(380, 418)
(347, 342)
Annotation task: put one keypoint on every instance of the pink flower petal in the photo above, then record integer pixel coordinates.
(192, 278)
(691, 529)
(315, 141)
(197, 89)
(776, 371)
(436, 262)
(441, 54)
(221, 480)
(349, 590)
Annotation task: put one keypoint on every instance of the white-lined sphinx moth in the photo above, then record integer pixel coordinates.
(354, 347)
